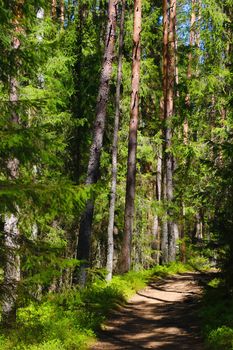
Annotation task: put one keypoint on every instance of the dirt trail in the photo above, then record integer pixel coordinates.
(162, 316)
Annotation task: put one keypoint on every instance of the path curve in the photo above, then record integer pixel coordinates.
(162, 316)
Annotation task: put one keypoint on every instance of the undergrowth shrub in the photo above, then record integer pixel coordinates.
(221, 338)
(69, 320)
(54, 344)
(200, 263)
(217, 316)
(171, 269)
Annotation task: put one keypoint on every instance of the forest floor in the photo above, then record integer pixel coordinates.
(162, 316)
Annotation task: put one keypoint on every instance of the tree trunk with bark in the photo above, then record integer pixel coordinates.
(171, 63)
(11, 270)
(189, 72)
(194, 39)
(110, 250)
(156, 228)
(168, 245)
(62, 8)
(84, 241)
(163, 106)
(11, 232)
(125, 261)
(54, 9)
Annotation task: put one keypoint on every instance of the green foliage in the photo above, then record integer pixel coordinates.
(221, 338)
(131, 282)
(70, 319)
(171, 269)
(199, 256)
(43, 195)
(217, 316)
(199, 262)
(48, 345)
(57, 72)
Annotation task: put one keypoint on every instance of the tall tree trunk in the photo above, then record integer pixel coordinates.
(62, 7)
(163, 106)
(198, 28)
(182, 247)
(68, 11)
(11, 269)
(132, 145)
(194, 39)
(156, 228)
(77, 101)
(84, 241)
(170, 113)
(164, 236)
(11, 231)
(189, 71)
(54, 9)
(168, 89)
(110, 251)
(199, 226)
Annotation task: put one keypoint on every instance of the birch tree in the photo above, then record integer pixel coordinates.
(11, 230)
(110, 251)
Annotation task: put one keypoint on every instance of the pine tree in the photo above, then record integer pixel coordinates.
(132, 143)
(84, 241)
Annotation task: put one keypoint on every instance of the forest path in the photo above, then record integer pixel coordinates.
(162, 316)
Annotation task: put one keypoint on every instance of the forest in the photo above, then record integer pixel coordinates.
(116, 163)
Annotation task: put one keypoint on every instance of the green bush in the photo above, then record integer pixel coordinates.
(5, 343)
(171, 269)
(200, 263)
(221, 338)
(47, 345)
(68, 321)
(217, 316)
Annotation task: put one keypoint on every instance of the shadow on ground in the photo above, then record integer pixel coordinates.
(163, 316)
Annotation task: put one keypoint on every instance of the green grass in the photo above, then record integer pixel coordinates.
(217, 316)
(69, 321)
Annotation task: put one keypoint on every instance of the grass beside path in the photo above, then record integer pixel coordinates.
(69, 321)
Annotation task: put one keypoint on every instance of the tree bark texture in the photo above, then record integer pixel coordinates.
(163, 105)
(168, 245)
(156, 229)
(194, 39)
(54, 9)
(182, 236)
(132, 143)
(11, 270)
(165, 56)
(189, 72)
(164, 227)
(11, 231)
(110, 250)
(84, 241)
(77, 102)
(62, 7)
(171, 64)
